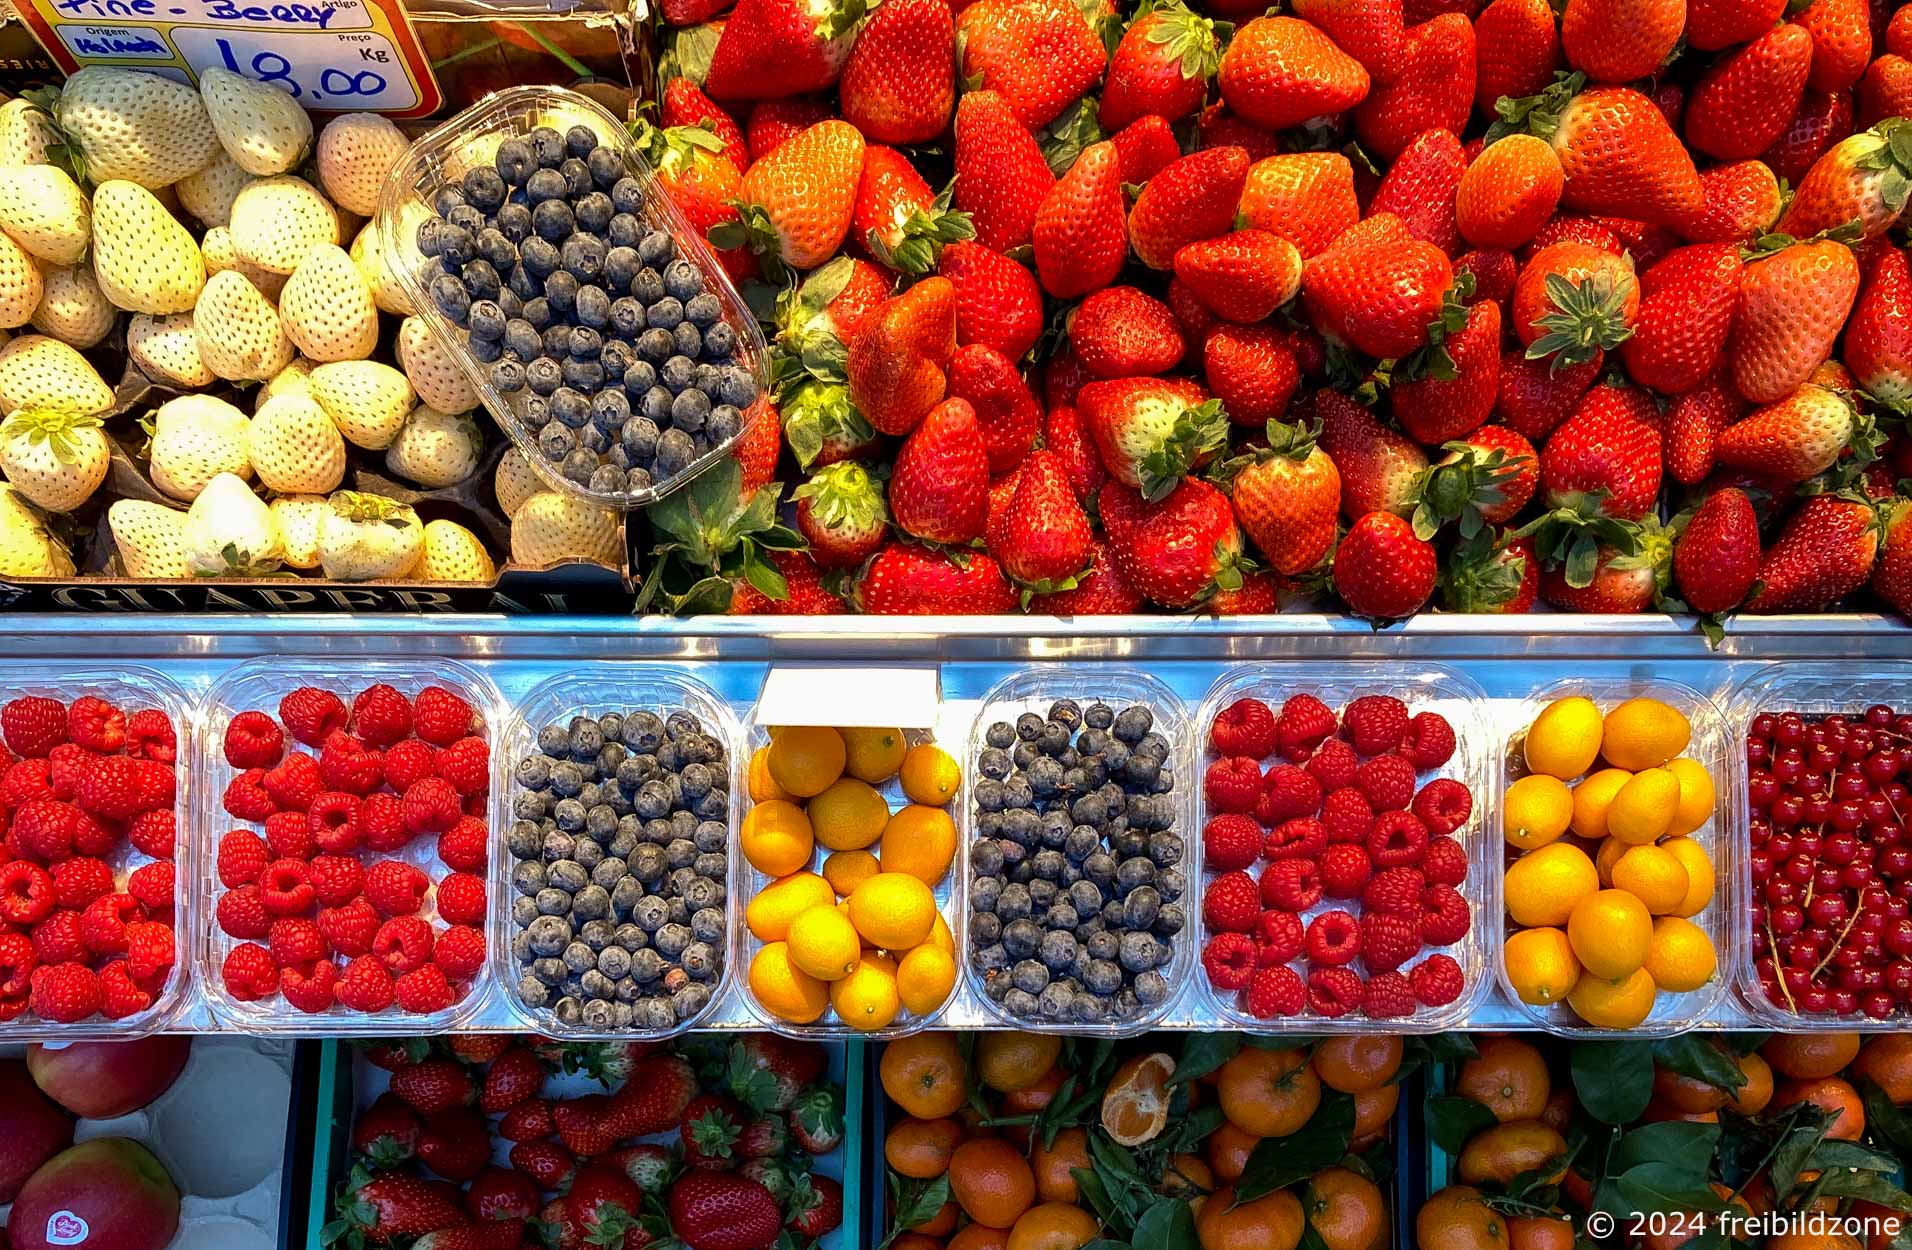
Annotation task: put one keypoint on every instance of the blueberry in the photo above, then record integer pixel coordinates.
(720, 342)
(586, 343)
(484, 189)
(482, 280)
(610, 409)
(507, 376)
(484, 351)
(449, 294)
(570, 407)
(593, 307)
(586, 375)
(627, 194)
(689, 410)
(486, 320)
(593, 439)
(619, 458)
(724, 423)
(514, 161)
(556, 342)
(553, 220)
(539, 257)
(640, 376)
(593, 212)
(682, 280)
(687, 340)
(543, 375)
(555, 442)
(547, 145)
(536, 411)
(739, 387)
(510, 303)
(447, 198)
(705, 377)
(653, 345)
(617, 358)
(638, 479)
(431, 236)
(521, 337)
(624, 231)
(494, 247)
(620, 266)
(627, 316)
(561, 288)
(648, 286)
(521, 283)
(702, 309)
(676, 373)
(514, 222)
(674, 451)
(455, 245)
(607, 479)
(583, 255)
(579, 465)
(465, 217)
(639, 437)
(580, 140)
(656, 405)
(543, 187)
(537, 314)
(577, 176)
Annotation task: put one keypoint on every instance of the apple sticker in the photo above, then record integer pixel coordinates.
(63, 1228)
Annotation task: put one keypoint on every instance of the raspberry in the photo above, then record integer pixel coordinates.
(1345, 868)
(1287, 792)
(1443, 805)
(1278, 938)
(293, 783)
(350, 930)
(425, 991)
(381, 715)
(1445, 862)
(1229, 959)
(364, 986)
(1333, 939)
(33, 726)
(1233, 784)
(96, 724)
(119, 996)
(95, 837)
(1291, 885)
(293, 940)
(1304, 724)
(464, 846)
(309, 987)
(408, 763)
(65, 765)
(17, 962)
(1231, 903)
(1388, 941)
(334, 821)
(1445, 916)
(1347, 815)
(430, 806)
(1397, 840)
(310, 714)
(249, 974)
(25, 780)
(149, 736)
(1244, 727)
(382, 823)
(442, 717)
(1334, 992)
(289, 835)
(1388, 781)
(460, 952)
(1375, 723)
(27, 893)
(1437, 980)
(1394, 890)
(241, 913)
(152, 885)
(336, 879)
(80, 880)
(151, 949)
(1230, 841)
(1430, 741)
(404, 943)
(1302, 838)
(466, 763)
(1333, 765)
(63, 993)
(57, 939)
(285, 888)
(395, 888)
(345, 764)
(43, 830)
(461, 899)
(1275, 992)
(253, 740)
(103, 923)
(1387, 996)
(246, 799)
(155, 833)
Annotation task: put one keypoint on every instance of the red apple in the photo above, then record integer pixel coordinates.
(32, 1128)
(100, 1080)
(105, 1194)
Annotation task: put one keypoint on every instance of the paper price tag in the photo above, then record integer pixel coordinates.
(333, 56)
(856, 698)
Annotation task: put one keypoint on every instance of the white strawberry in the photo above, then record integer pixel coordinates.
(72, 307)
(454, 554)
(208, 193)
(240, 336)
(166, 349)
(46, 213)
(368, 254)
(298, 518)
(327, 309)
(367, 400)
(56, 458)
(356, 151)
(294, 379)
(27, 547)
(276, 221)
(133, 125)
(550, 526)
(438, 378)
(150, 538)
(435, 449)
(39, 372)
(195, 438)
(26, 133)
(229, 532)
(144, 259)
(364, 537)
(21, 284)
(261, 127)
(514, 481)
(295, 448)
(220, 255)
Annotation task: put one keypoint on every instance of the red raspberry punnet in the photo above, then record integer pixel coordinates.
(1291, 885)
(1244, 727)
(1445, 862)
(1443, 805)
(1233, 784)
(1275, 993)
(1302, 838)
(1334, 992)
(1345, 868)
(1437, 980)
(1232, 903)
(381, 715)
(1388, 941)
(253, 740)
(1397, 840)
(442, 718)
(1304, 723)
(1333, 765)
(1375, 723)
(1430, 741)
(1287, 792)
(1388, 781)
(1229, 960)
(311, 715)
(1388, 996)
(1333, 939)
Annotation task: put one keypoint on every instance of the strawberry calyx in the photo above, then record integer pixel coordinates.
(1075, 130)
(669, 151)
(1589, 318)
(755, 232)
(1457, 489)
(914, 246)
(1572, 536)
(818, 415)
(810, 344)
(54, 427)
(1481, 574)
(1892, 159)
(1434, 361)
(713, 536)
(1193, 42)
(845, 497)
(1537, 114)
(1198, 432)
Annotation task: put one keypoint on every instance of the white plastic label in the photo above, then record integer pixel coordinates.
(64, 1228)
(851, 698)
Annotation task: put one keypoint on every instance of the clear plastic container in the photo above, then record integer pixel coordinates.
(471, 139)
(638, 686)
(946, 893)
(1721, 838)
(1424, 688)
(1033, 690)
(131, 688)
(258, 685)
(1826, 687)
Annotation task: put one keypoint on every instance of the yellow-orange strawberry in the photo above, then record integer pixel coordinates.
(1799, 437)
(798, 201)
(1281, 71)
(1288, 498)
(1508, 193)
(1792, 305)
(1378, 288)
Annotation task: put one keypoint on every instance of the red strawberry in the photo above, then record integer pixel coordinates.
(1039, 55)
(1434, 89)
(513, 1077)
(455, 1144)
(904, 579)
(939, 490)
(1617, 153)
(1379, 468)
(1192, 199)
(1099, 590)
(690, 12)
(1605, 459)
(899, 83)
(1161, 68)
(1441, 399)
(1742, 202)
(1574, 301)
(685, 105)
(723, 1211)
(1508, 193)
(1892, 579)
(1799, 437)
(1007, 413)
(1516, 47)
(1792, 305)
(1841, 33)
(1119, 332)
(1822, 120)
(1145, 147)
(1176, 551)
(895, 368)
(1045, 540)
(1715, 24)
(388, 1207)
(998, 303)
(1488, 476)
(1534, 398)
(1280, 71)
(1620, 40)
(1616, 582)
(773, 123)
(1861, 178)
(386, 1132)
(1491, 573)
(1420, 188)
(1252, 370)
(818, 318)
(1001, 175)
(815, 1206)
(1243, 276)
(1716, 557)
(601, 1209)
(1686, 309)
(1152, 432)
(1493, 270)
(1288, 498)
(1825, 552)
(691, 165)
(1377, 288)
(1694, 422)
(840, 512)
(1216, 127)
(433, 1085)
(1305, 197)
(897, 218)
(1373, 32)
(1743, 102)
(1079, 232)
(799, 200)
(1064, 434)
(1886, 90)
(1878, 346)
(1382, 570)
(653, 1099)
(772, 48)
